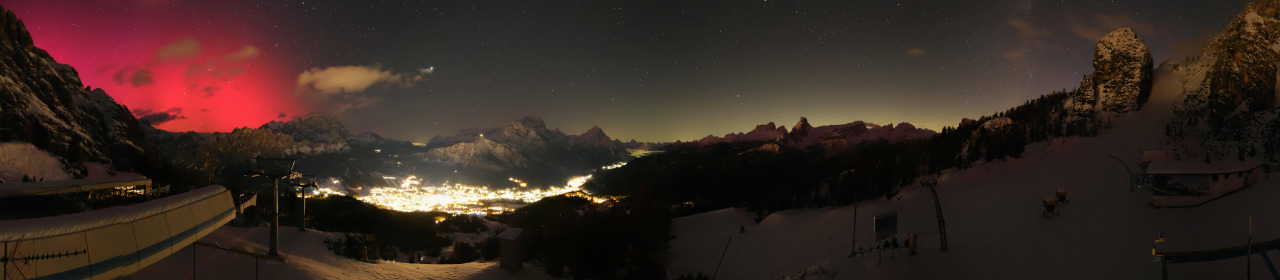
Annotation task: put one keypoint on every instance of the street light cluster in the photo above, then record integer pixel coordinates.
(412, 195)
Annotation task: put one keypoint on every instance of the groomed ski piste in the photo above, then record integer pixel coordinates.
(995, 227)
(305, 258)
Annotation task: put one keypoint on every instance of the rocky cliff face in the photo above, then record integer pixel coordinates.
(1120, 82)
(316, 128)
(1230, 103)
(526, 148)
(831, 137)
(1236, 72)
(43, 102)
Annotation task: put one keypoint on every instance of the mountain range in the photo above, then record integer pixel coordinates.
(1229, 105)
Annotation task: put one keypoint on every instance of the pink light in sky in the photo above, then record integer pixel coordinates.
(218, 72)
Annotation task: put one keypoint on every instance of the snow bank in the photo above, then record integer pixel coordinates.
(21, 158)
(305, 258)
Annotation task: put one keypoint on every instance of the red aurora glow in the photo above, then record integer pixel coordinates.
(214, 74)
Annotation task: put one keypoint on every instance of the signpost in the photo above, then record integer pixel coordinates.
(885, 226)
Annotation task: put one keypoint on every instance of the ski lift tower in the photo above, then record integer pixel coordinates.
(302, 183)
(274, 169)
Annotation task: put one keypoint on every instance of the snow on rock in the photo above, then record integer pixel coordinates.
(481, 153)
(305, 258)
(525, 143)
(44, 103)
(1230, 101)
(1120, 82)
(762, 133)
(18, 159)
(1237, 67)
(997, 124)
(832, 137)
(315, 128)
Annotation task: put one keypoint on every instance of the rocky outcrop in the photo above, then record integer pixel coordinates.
(316, 129)
(525, 146)
(44, 103)
(1120, 82)
(830, 137)
(1236, 72)
(481, 154)
(1230, 87)
(762, 133)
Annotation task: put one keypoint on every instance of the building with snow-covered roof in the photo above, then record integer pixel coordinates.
(1183, 183)
(510, 249)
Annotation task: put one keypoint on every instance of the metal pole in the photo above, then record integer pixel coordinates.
(275, 218)
(853, 246)
(1164, 269)
(302, 219)
(193, 262)
(722, 253)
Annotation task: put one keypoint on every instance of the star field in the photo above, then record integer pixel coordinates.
(648, 70)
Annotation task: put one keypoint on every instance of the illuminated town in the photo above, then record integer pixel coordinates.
(412, 196)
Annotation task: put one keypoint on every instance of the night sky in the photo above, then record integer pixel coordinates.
(645, 70)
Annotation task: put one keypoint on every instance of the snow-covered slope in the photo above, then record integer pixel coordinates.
(44, 103)
(305, 258)
(19, 159)
(994, 223)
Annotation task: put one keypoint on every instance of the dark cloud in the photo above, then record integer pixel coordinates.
(157, 118)
(141, 78)
(135, 77)
(280, 116)
(210, 91)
